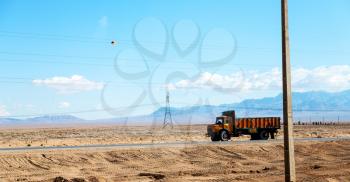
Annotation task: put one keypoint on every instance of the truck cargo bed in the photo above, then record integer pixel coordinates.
(258, 122)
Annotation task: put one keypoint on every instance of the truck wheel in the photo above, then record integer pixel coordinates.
(214, 138)
(264, 135)
(254, 136)
(224, 135)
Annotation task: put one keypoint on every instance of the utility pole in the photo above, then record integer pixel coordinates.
(289, 161)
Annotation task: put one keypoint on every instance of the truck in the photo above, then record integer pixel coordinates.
(227, 126)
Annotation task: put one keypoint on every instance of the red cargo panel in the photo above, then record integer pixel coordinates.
(267, 122)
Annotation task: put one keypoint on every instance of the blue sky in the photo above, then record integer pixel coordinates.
(56, 56)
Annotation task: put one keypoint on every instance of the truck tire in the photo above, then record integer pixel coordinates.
(254, 136)
(224, 136)
(214, 138)
(272, 134)
(264, 135)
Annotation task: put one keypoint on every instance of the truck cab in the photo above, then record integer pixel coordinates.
(222, 128)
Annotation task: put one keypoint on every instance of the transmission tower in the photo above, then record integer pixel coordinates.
(168, 121)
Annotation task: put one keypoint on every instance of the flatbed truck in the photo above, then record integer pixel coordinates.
(227, 126)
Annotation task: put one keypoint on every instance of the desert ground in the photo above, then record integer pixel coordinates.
(232, 161)
(138, 134)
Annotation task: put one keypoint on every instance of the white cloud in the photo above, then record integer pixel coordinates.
(331, 78)
(103, 22)
(63, 105)
(3, 111)
(235, 82)
(73, 84)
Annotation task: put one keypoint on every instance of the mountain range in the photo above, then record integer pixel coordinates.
(307, 106)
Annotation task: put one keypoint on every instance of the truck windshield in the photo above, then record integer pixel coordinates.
(219, 120)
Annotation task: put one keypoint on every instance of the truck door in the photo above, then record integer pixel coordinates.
(228, 124)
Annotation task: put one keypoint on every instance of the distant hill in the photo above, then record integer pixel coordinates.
(304, 101)
(42, 120)
(54, 119)
(306, 106)
(316, 106)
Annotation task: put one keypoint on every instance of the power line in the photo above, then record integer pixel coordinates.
(90, 110)
(296, 110)
(89, 39)
(86, 111)
(128, 65)
(55, 55)
(85, 39)
(120, 85)
(86, 63)
(29, 80)
(176, 103)
(57, 39)
(51, 35)
(100, 58)
(76, 112)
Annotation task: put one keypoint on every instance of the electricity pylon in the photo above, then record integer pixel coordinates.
(168, 121)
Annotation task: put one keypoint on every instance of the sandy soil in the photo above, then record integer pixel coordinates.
(316, 161)
(137, 134)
